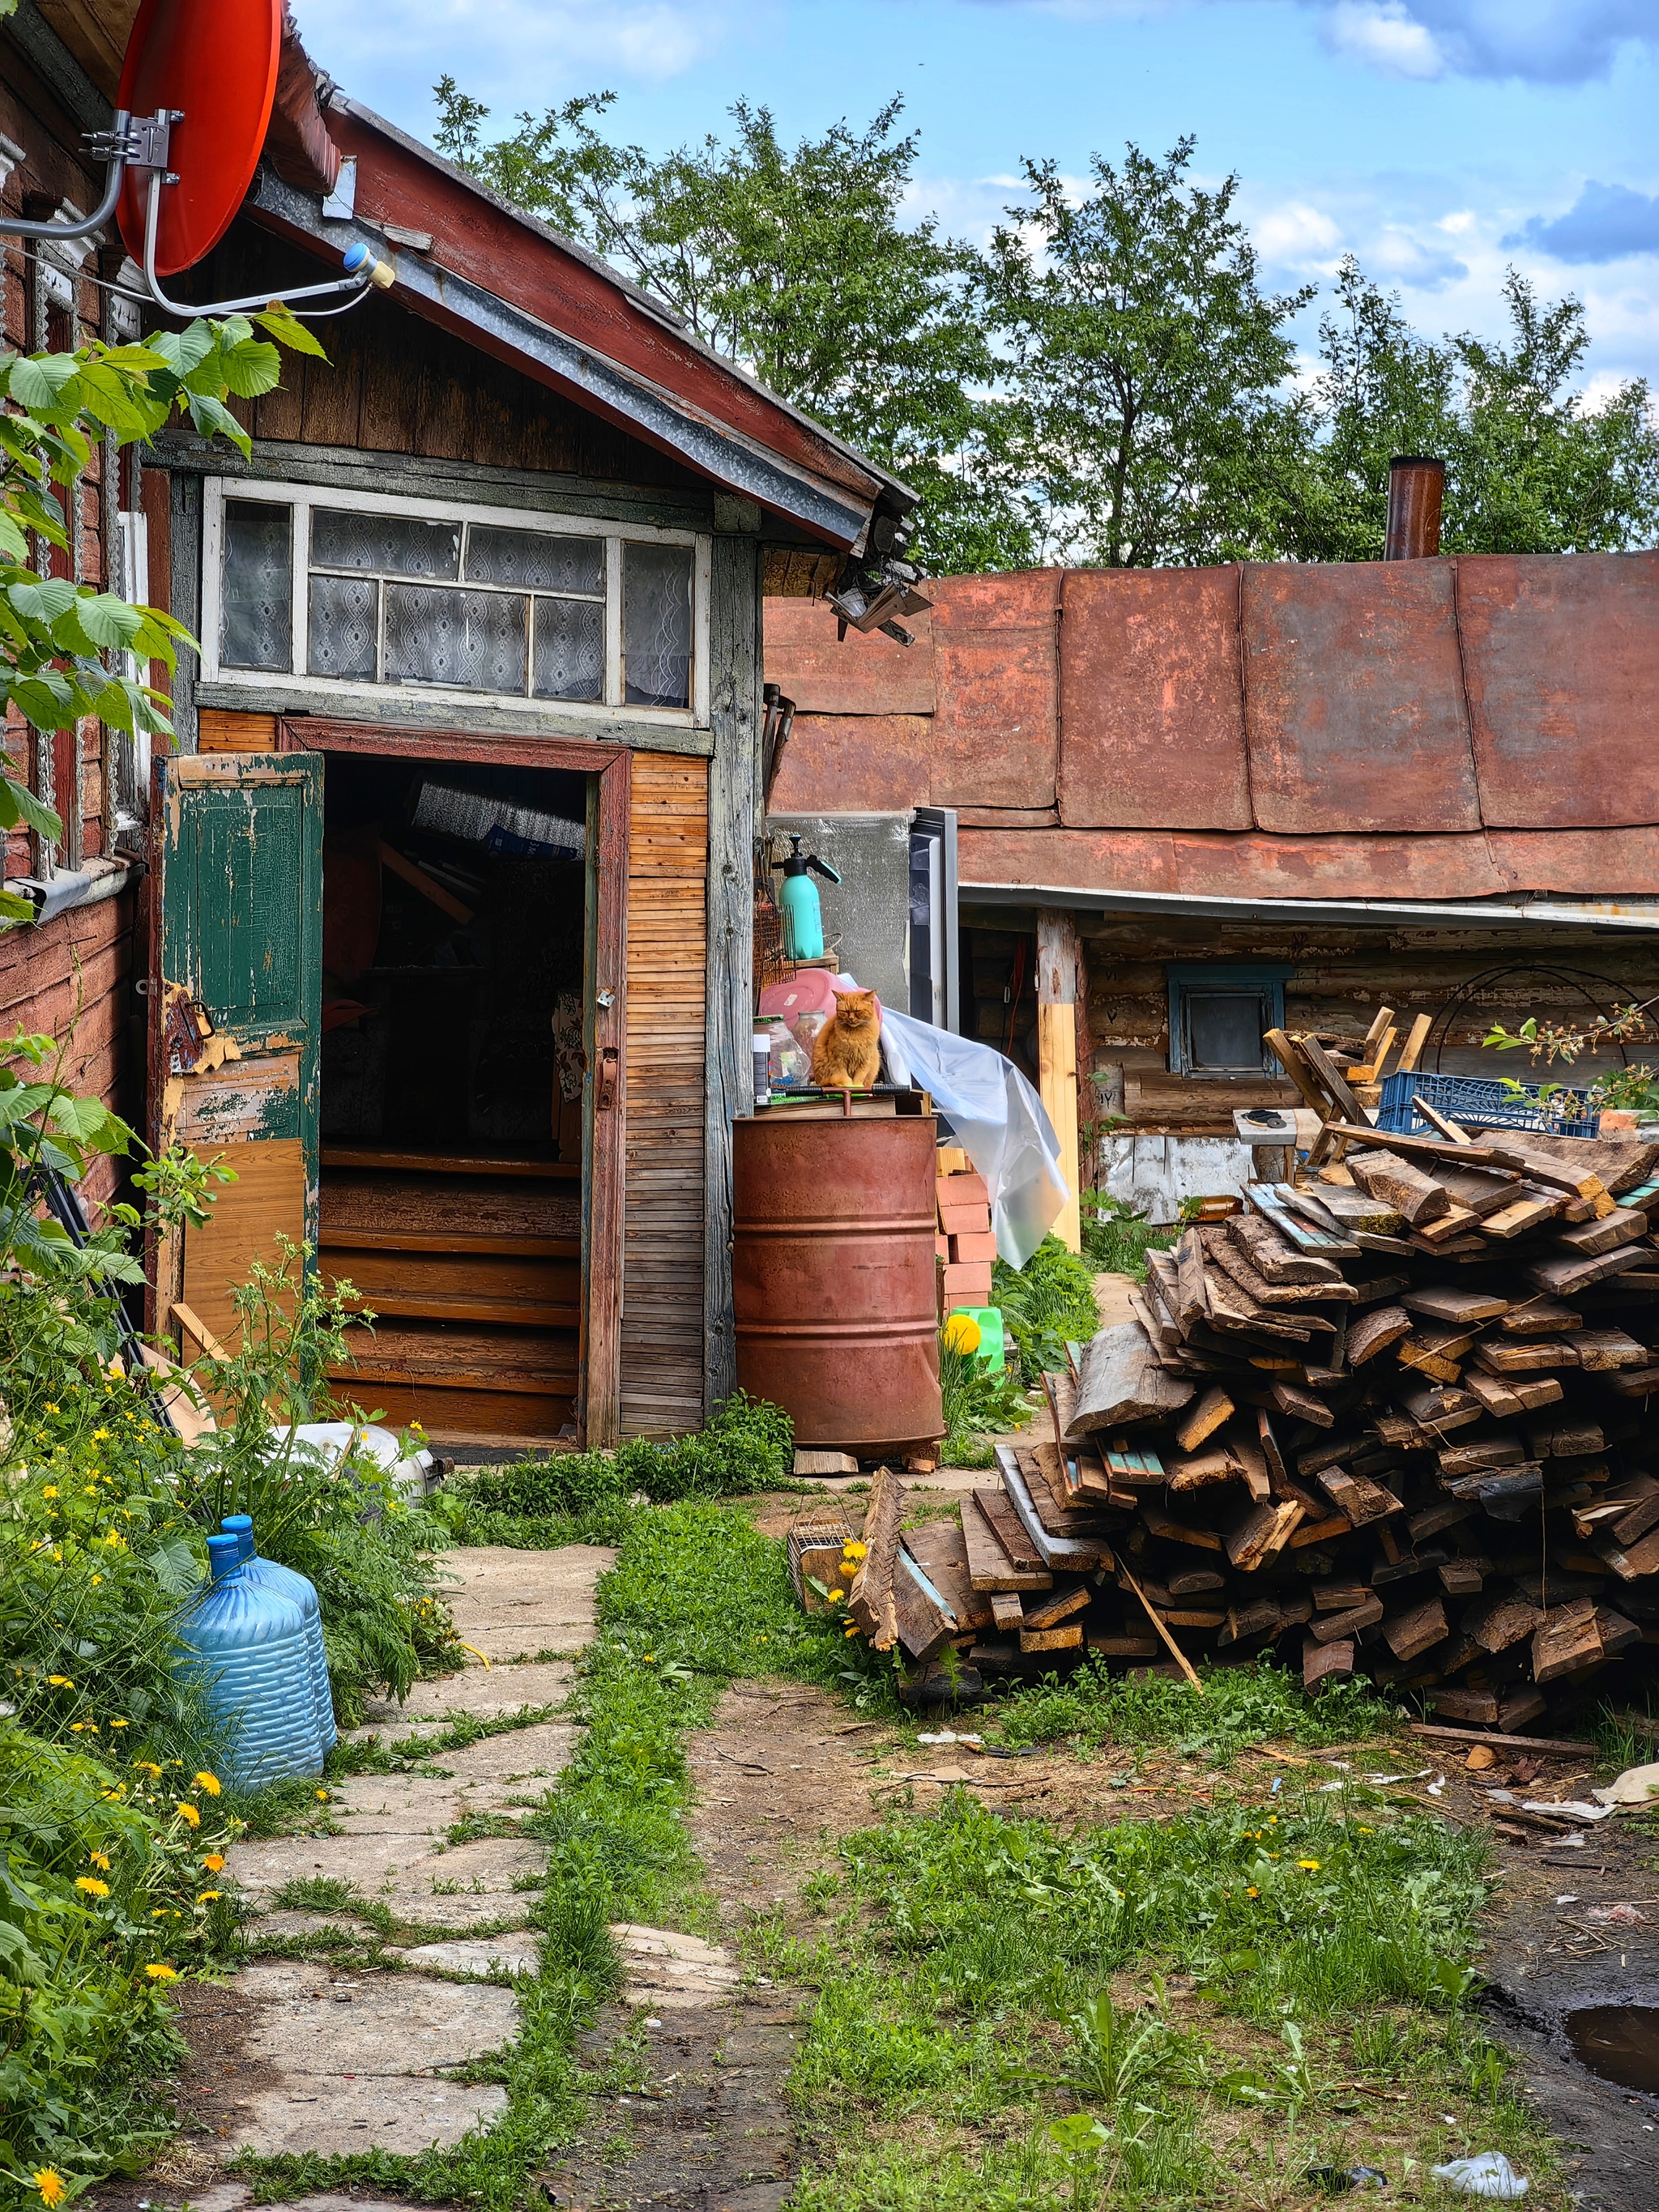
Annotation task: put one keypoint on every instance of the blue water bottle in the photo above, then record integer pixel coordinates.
(246, 1645)
(304, 1595)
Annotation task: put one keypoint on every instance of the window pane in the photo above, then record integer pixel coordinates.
(657, 625)
(255, 628)
(534, 559)
(569, 649)
(1223, 1029)
(345, 612)
(396, 544)
(474, 640)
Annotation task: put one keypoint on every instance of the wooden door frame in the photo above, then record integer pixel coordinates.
(599, 1398)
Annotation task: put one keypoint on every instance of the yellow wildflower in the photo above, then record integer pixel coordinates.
(51, 1490)
(100, 1436)
(1308, 1866)
(650, 1658)
(207, 1896)
(50, 2183)
(188, 1813)
(1253, 1893)
(837, 1596)
(851, 1629)
(855, 1550)
(1364, 1830)
(92, 1886)
(147, 1767)
(322, 1796)
(50, 1408)
(59, 1682)
(120, 1724)
(207, 1782)
(158, 1970)
(76, 1727)
(215, 1862)
(98, 1859)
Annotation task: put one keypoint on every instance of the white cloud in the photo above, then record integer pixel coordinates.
(511, 52)
(1381, 33)
(1296, 233)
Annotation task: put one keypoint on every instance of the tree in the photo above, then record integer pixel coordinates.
(61, 642)
(1530, 467)
(797, 264)
(1146, 418)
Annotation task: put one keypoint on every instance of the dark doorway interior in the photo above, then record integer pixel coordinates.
(454, 903)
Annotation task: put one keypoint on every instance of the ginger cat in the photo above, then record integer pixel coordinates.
(846, 1050)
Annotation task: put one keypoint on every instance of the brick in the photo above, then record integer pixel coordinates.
(973, 1249)
(962, 1190)
(968, 1286)
(963, 1220)
(942, 1247)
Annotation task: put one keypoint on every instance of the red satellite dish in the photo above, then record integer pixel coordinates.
(217, 61)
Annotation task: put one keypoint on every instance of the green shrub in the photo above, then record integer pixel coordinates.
(1046, 1304)
(747, 1446)
(1117, 1236)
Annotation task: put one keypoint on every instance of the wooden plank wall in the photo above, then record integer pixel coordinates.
(68, 979)
(662, 1325)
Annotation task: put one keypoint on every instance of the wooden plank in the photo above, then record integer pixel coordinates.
(1432, 1731)
(1122, 1383)
(1203, 1420)
(989, 1567)
(1059, 953)
(1384, 1175)
(1175, 1650)
(870, 1601)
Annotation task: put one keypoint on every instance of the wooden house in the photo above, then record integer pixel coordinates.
(1193, 804)
(435, 927)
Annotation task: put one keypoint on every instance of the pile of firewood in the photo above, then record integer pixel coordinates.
(1392, 1421)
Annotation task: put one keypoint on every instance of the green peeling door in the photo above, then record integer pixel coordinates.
(235, 1014)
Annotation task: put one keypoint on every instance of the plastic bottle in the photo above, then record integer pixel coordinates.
(241, 1525)
(247, 1644)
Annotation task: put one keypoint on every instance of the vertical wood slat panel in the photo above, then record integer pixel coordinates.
(662, 1324)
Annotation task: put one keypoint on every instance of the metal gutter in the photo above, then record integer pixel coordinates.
(72, 887)
(1619, 914)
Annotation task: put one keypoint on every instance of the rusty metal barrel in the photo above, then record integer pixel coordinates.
(832, 1265)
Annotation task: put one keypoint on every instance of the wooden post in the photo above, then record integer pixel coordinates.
(1058, 960)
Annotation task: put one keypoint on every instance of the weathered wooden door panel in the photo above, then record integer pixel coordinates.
(236, 1009)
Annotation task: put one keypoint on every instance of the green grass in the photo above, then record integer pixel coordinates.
(1007, 2017)
(1116, 1238)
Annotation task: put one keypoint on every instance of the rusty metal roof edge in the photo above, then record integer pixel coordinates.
(1595, 914)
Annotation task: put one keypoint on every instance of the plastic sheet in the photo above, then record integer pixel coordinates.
(999, 1120)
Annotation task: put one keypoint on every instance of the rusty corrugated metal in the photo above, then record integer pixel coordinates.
(1562, 660)
(1353, 699)
(1190, 864)
(1152, 706)
(855, 765)
(833, 1276)
(1578, 863)
(996, 666)
(860, 675)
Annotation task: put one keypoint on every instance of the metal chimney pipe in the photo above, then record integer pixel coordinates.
(1416, 484)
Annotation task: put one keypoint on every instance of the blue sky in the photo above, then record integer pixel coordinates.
(1439, 140)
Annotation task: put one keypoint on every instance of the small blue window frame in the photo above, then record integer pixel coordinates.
(1269, 980)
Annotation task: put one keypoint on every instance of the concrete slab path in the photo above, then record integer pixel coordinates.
(336, 2058)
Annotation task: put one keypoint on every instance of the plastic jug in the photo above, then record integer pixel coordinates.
(246, 1644)
(240, 1526)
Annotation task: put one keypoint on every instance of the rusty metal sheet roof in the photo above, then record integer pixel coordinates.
(855, 765)
(860, 675)
(1251, 866)
(1586, 863)
(1152, 703)
(1353, 699)
(1561, 658)
(996, 663)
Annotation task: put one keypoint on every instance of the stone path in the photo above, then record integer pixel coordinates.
(348, 2043)
(307, 2053)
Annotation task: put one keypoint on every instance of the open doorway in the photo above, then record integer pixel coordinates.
(456, 955)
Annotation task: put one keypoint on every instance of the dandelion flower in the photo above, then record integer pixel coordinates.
(1364, 1830)
(59, 1682)
(114, 1724)
(215, 1862)
(158, 1970)
(837, 1596)
(50, 1408)
(51, 1490)
(851, 1629)
(147, 1767)
(188, 1813)
(100, 1436)
(207, 1782)
(98, 1859)
(50, 2183)
(322, 1796)
(856, 1550)
(207, 1896)
(650, 1658)
(77, 1728)
(1253, 1893)
(92, 1886)
(1308, 1866)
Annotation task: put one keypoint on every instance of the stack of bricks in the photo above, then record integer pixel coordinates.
(964, 1242)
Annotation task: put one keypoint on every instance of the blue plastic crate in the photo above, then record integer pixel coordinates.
(1476, 1102)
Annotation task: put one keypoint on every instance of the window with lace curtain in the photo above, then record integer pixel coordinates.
(355, 593)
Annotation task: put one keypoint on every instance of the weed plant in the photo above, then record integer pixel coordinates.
(1046, 1304)
(1117, 1236)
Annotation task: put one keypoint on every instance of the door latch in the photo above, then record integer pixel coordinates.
(609, 1067)
(604, 1001)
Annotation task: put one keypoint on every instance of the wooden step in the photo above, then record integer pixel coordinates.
(403, 1162)
(490, 1206)
(458, 1241)
(543, 1363)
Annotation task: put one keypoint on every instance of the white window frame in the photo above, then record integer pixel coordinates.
(300, 499)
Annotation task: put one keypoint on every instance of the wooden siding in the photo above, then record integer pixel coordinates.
(662, 1324)
(68, 978)
(218, 731)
